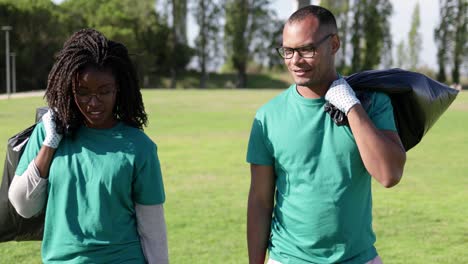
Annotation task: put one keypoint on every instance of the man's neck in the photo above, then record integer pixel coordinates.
(316, 90)
(311, 92)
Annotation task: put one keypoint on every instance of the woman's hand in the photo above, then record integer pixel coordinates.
(52, 138)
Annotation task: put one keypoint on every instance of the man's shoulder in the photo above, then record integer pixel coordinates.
(275, 104)
(372, 98)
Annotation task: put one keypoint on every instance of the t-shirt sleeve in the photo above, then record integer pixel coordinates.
(33, 146)
(381, 112)
(259, 150)
(148, 187)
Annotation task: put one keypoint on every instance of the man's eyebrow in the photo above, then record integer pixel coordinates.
(303, 46)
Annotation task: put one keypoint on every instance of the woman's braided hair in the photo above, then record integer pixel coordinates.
(89, 47)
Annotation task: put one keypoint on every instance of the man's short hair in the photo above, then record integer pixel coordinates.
(324, 16)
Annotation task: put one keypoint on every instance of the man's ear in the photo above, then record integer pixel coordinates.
(335, 39)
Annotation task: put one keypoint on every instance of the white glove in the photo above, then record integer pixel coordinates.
(52, 138)
(341, 95)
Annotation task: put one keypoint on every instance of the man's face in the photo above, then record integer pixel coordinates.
(310, 72)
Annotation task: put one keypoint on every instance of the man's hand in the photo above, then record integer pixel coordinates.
(52, 138)
(341, 95)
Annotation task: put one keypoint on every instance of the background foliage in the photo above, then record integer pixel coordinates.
(237, 37)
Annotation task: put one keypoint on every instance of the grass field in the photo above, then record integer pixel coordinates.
(202, 138)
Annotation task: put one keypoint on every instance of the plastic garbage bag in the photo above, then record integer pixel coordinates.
(12, 225)
(418, 101)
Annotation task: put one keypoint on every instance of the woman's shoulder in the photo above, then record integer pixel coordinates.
(137, 135)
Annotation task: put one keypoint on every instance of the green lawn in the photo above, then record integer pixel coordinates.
(202, 138)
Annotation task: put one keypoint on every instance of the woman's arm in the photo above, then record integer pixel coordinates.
(152, 230)
(27, 192)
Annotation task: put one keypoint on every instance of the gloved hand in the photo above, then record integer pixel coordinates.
(341, 95)
(52, 138)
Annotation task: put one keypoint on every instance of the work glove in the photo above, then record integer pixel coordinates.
(341, 95)
(52, 138)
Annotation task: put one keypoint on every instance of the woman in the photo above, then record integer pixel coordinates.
(90, 165)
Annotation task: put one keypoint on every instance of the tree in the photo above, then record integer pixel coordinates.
(266, 37)
(460, 49)
(208, 14)
(402, 57)
(273, 31)
(414, 39)
(450, 37)
(178, 38)
(442, 36)
(356, 37)
(386, 59)
(136, 24)
(370, 33)
(302, 3)
(377, 31)
(237, 37)
(341, 10)
(179, 19)
(34, 46)
(245, 27)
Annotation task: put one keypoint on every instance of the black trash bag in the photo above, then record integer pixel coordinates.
(417, 100)
(12, 225)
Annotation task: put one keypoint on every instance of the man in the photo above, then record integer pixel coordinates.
(310, 195)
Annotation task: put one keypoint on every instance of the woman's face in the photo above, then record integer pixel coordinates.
(95, 96)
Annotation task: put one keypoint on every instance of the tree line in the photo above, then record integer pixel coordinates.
(233, 35)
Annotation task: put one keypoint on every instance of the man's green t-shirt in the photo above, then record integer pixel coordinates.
(323, 201)
(95, 180)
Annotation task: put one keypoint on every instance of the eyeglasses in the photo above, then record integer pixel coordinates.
(85, 96)
(307, 51)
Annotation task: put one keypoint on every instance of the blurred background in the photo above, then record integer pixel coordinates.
(231, 43)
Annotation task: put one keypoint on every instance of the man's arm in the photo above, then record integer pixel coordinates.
(381, 151)
(259, 211)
